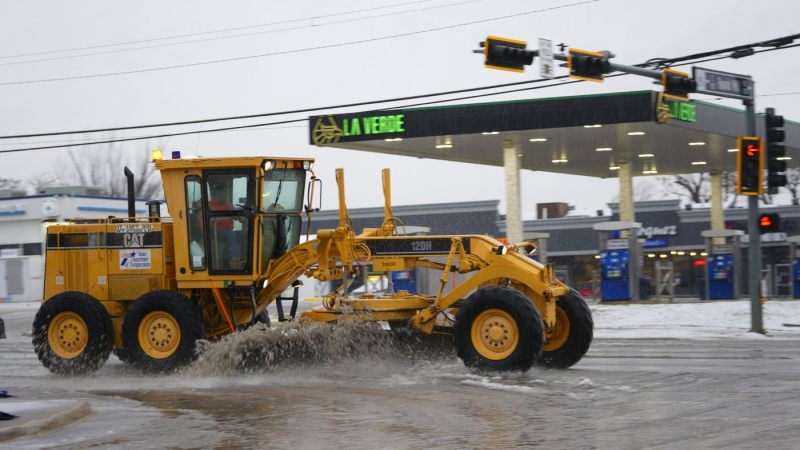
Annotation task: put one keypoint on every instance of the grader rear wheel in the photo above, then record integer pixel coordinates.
(160, 330)
(498, 328)
(72, 334)
(569, 339)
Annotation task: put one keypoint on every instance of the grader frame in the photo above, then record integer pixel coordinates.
(507, 313)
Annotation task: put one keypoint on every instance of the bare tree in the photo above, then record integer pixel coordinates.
(693, 186)
(103, 167)
(729, 194)
(10, 183)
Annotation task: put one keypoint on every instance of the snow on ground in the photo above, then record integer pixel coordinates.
(686, 320)
(695, 320)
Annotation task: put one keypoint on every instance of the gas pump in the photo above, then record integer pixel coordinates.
(794, 252)
(722, 263)
(614, 274)
(406, 280)
(620, 263)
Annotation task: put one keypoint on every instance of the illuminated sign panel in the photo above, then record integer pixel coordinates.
(683, 111)
(373, 125)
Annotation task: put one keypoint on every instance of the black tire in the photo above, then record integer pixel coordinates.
(571, 337)
(160, 330)
(498, 328)
(72, 334)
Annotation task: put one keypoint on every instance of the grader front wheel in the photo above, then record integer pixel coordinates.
(72, 334)
(569, 339)
(498, 328)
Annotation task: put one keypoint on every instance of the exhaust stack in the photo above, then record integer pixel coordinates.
(131, 201)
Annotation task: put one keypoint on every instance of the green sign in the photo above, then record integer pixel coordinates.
(373, 125)
(682, 111)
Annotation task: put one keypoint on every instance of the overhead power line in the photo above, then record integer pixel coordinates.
(316, 25)
(224, 30)
(140, 138)
(365, 103)
(279, 113)
(665, 61)
(301, 50)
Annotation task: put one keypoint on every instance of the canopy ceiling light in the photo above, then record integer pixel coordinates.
(446, 143)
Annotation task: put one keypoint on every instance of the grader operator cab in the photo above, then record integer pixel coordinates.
(147, 288)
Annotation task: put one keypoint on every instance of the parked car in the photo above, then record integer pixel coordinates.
(586, 290)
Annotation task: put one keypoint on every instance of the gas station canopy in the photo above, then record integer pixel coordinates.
(581, 135)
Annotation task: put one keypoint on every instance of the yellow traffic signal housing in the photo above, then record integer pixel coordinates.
(506, 54)
(586, 65)
(677, 85)
(750, 166)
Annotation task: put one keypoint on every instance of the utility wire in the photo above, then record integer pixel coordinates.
(280, 113)
(225, 30)
(781, 42)
(365, 103)
(139, 138)
(301, 50)
(684, 62)
(240, 35)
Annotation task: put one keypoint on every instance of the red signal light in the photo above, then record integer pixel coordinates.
(769, 223)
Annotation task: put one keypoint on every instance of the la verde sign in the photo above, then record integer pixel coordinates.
(330, 129)
(683, 111)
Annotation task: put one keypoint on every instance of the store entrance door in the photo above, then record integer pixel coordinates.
(782, 280)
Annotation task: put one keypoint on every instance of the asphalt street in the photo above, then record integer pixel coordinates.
(625, 394)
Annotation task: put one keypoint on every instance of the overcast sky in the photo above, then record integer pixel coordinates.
(413, 47)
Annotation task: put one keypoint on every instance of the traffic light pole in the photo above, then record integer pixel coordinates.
(511, 54)
(650, 73)
(754, 248)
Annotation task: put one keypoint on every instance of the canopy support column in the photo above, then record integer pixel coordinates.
(717, 213)
(513, 198)
(626, 213)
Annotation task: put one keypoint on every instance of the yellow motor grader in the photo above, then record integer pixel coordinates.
(147, 288)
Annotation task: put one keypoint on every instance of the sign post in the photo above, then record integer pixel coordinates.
(546, 69)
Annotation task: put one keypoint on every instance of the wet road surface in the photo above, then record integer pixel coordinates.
(625, 394)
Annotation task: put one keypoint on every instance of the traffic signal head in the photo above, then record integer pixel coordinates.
(750, 166)
(776, 151)
(677, 85)
(507, 54)
(586, 65)
(769, 223)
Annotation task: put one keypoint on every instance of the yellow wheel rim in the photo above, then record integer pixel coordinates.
(558, 334)
(159, 334)
(495, 334)
(67, 335)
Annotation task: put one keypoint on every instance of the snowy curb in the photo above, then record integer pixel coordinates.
(49, 422)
